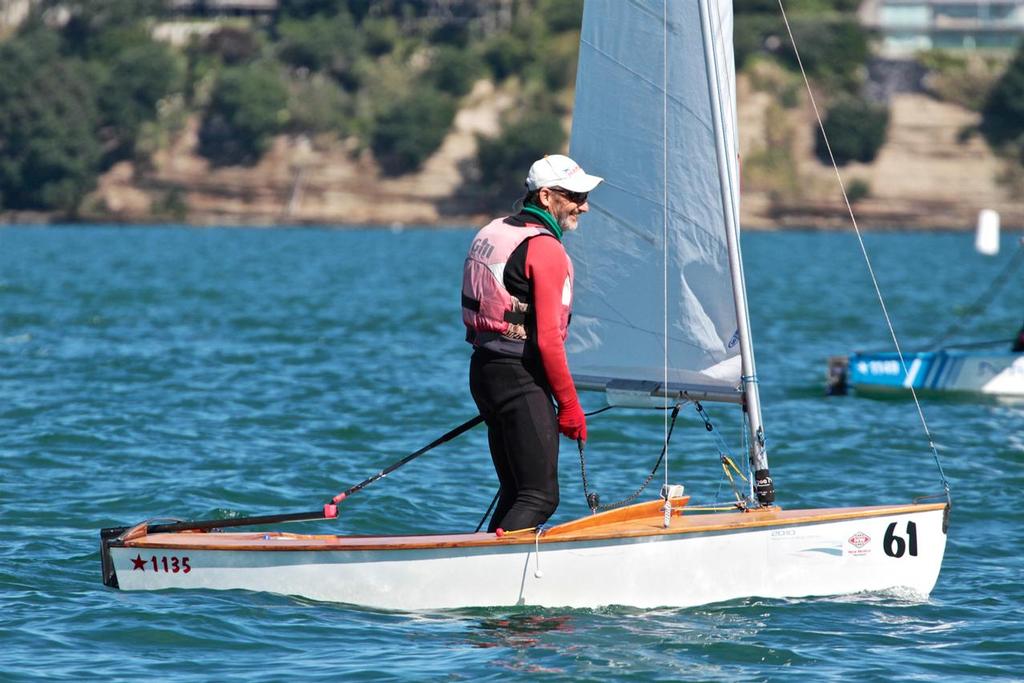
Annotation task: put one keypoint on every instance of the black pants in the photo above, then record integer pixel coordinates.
(522, 430)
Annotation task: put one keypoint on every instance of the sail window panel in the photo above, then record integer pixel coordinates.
(651, 135)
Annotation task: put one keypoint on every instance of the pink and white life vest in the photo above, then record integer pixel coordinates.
(494, 318)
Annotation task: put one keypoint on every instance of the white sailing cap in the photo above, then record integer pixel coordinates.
(558, 170)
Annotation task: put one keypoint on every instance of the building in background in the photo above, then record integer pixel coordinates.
(908, 26)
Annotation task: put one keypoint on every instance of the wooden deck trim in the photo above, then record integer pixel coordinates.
(629, 513)
(649, 525)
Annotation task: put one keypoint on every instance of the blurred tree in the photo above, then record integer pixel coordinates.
(504, 160)
(963, 78)
(541, 46)
(506, 55)
(856, 131)
(833, 45)
(752, 33)
(248, 106)
(1002, 117)
(411, 129)
(407, 9)
(330, 45)
(559, 61)
(453, 70)
(857, 190)
(98, 29)
(797, 7)
(318, 105)
(306, 9)
(454, 33)
(137, 79)
(233, 45)
(98, 14)
(561, 15)
(104, 45)
(49, 155)
(380, 35)
(385, 82)
(833, 51)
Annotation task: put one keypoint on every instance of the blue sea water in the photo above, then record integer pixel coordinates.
(167, 371)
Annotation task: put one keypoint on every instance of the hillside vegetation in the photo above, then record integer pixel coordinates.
(86, 89)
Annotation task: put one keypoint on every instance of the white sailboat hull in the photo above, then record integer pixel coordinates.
(701, 561)
(661, 311)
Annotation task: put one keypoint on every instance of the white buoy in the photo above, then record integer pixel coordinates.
(986, 238)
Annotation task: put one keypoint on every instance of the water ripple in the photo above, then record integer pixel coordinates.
(166, 372)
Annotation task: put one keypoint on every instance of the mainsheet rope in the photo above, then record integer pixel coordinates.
(594, 501)
(863, 248)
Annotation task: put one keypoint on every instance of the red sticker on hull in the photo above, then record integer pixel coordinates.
(859, 539)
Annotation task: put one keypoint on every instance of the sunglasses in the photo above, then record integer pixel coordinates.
(574, 197)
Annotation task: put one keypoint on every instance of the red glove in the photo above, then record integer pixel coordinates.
(571, 421)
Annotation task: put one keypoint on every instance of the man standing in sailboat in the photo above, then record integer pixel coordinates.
(516, 305)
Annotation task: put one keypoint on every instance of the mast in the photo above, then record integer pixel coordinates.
(763, 485)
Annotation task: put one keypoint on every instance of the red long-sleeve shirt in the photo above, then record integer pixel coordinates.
(548, 273)
(536, 273)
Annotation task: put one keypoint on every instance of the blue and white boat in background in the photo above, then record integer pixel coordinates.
(945, 370)
(993, 368)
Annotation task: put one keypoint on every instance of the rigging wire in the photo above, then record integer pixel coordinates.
(980, 344)
(664, 231)
(982, 302)
(863, 249)
(723, 457)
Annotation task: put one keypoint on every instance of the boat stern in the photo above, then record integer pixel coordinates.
(108, 537)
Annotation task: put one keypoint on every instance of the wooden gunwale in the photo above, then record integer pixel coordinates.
(645, 526)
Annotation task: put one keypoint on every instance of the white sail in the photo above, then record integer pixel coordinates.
(655, 239)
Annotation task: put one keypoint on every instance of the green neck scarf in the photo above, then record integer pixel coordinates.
(546, 218)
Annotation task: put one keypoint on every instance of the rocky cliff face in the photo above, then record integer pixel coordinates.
(924, 177)
(304, 181)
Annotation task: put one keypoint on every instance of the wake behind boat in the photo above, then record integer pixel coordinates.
(660, 321)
